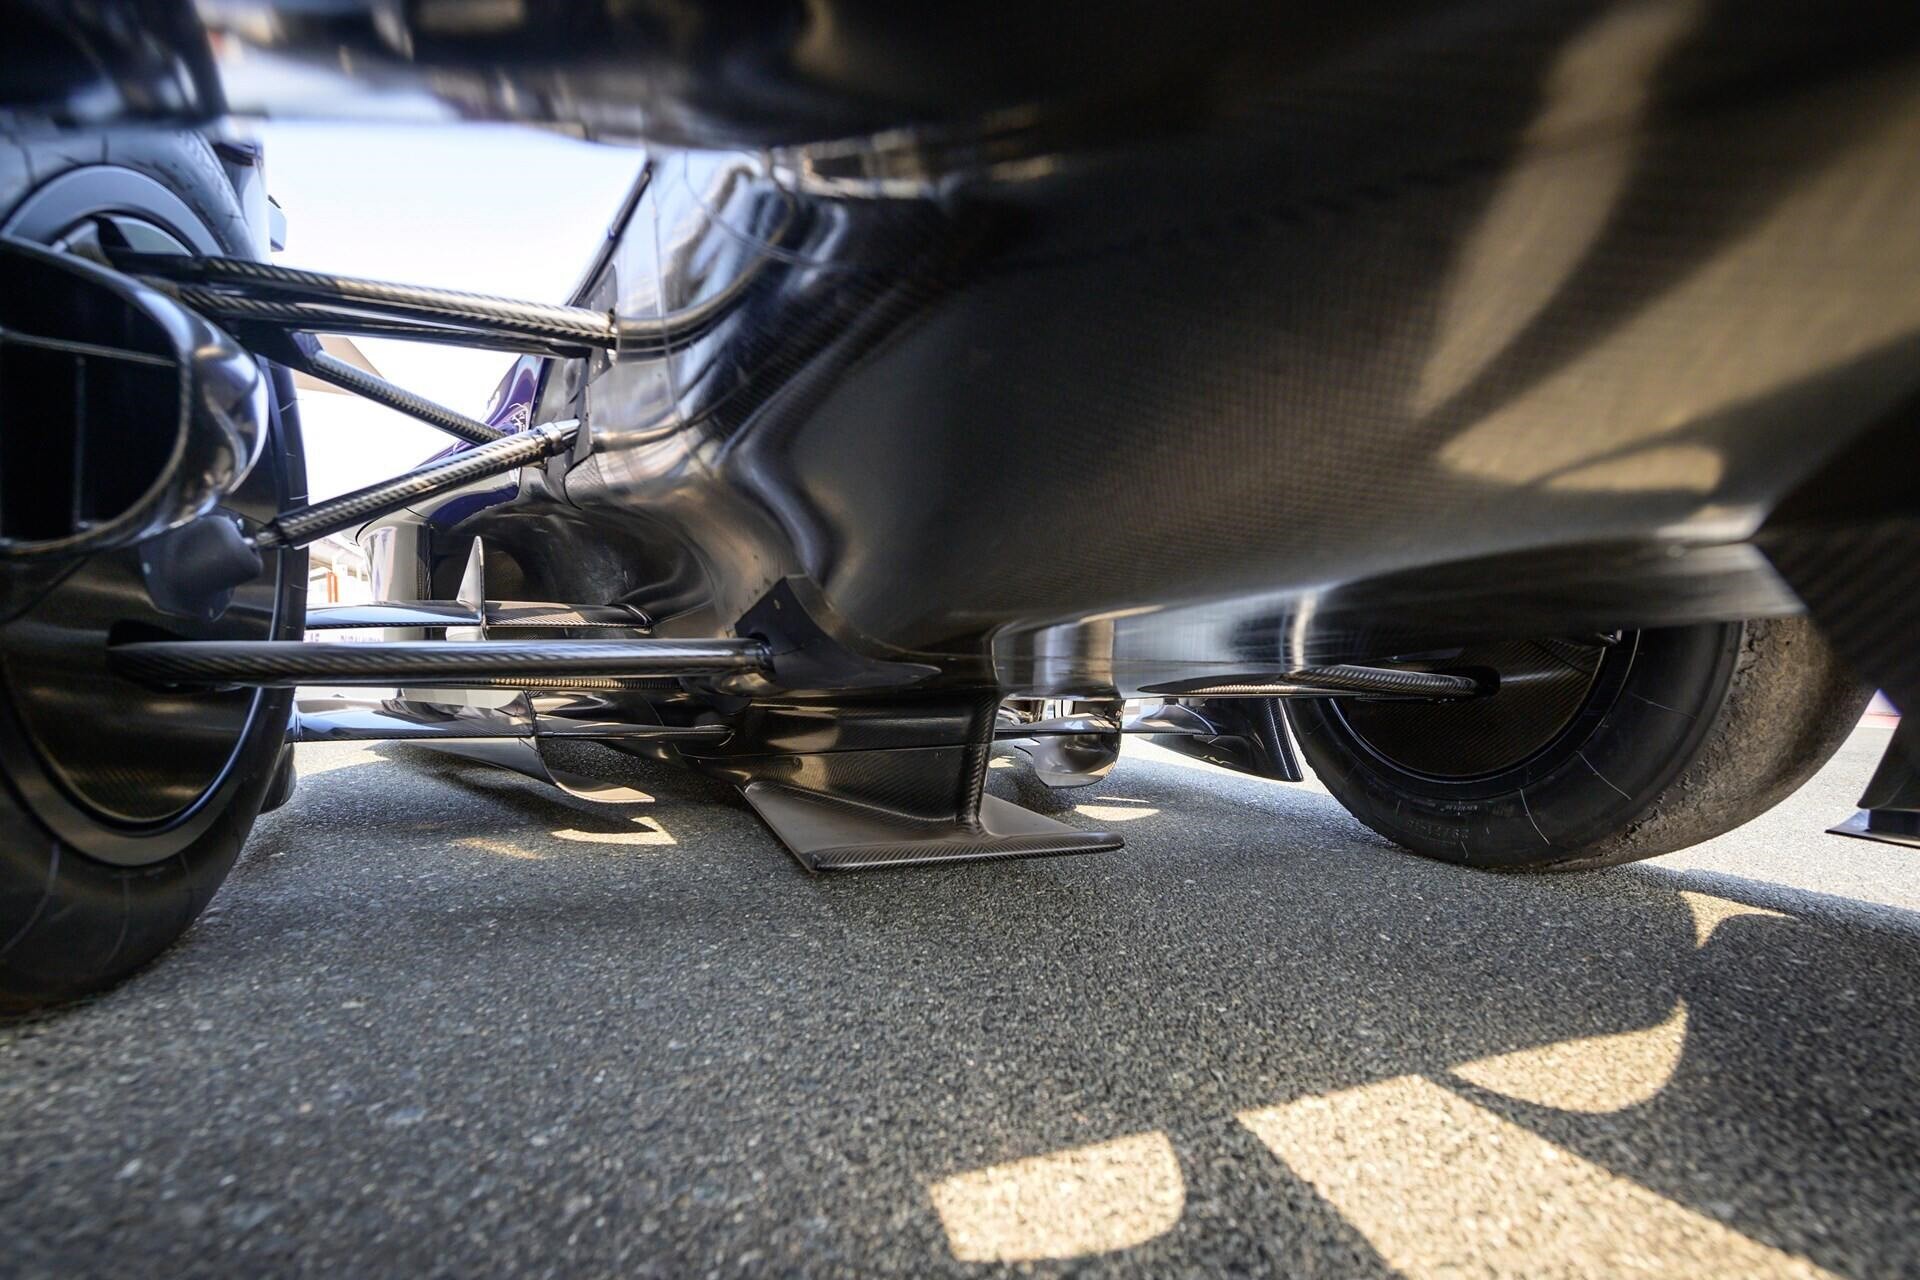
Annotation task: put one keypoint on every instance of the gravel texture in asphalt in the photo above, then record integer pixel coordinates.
(443, 1020)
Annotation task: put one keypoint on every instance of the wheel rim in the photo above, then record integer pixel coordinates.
(1551, 694)
(125, 774)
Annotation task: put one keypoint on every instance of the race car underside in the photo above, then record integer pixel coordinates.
(1504, 409)
(854, 755)
(963, 410)
(854, 806)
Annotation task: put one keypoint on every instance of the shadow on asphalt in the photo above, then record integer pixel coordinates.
(1257, 1038)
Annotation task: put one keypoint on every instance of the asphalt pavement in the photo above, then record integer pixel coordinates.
(443, 1021)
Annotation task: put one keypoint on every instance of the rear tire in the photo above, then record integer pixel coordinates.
(1678, 736)
(87, 898)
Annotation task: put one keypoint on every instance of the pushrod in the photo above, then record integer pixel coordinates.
(310, 523)
(427, 662)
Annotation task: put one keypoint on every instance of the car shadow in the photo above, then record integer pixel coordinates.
(1256, 1040)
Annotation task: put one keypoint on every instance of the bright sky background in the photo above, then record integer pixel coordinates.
(489, 209)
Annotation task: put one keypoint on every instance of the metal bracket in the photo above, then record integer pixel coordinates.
(830, 834)
(1890, 806)
(913, 798)
(1247, 735)
(191, 571)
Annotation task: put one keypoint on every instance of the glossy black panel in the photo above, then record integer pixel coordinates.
(106, 61)
(1515, 334)
(763, 71)
(1248, 735)
(1430, 325)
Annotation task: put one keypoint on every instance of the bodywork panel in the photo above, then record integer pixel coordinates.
(1408, 350)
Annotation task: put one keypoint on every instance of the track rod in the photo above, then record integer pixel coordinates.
(240, 313)
(1328, 682)
(242, 290)
(308, 524)
(542, 321)
(422, 663)
(487, 613)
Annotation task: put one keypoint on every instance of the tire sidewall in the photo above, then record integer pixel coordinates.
(70, 923)
(1600, 783)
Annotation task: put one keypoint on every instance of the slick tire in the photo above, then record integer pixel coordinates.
(87, 898)
(1591, 756)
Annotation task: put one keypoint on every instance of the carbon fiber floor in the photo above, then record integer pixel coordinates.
(444, 1022)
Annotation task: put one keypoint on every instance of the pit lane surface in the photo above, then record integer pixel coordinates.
(445, 1021)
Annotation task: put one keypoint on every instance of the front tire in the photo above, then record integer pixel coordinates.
(122, 808)
(1594, 754)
